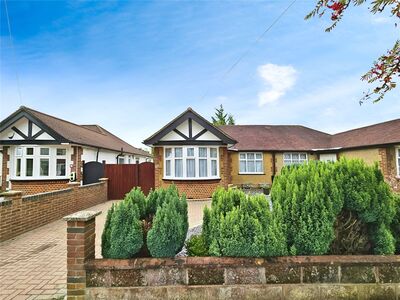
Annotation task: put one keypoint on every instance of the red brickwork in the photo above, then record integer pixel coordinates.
(38, 186)
(194, 189)
(81, 236)
(388, 166)
(4, 168)
(19, 214)
(77, 165)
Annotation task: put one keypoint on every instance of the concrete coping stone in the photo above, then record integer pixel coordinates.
(4, 202)
(74, 183)
(90, 184)
(103, 179)
(10, 193)
(83, 215)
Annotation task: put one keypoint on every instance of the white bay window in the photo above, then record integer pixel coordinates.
(191, 162)
(39, 162)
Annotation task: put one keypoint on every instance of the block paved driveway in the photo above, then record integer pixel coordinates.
(33, 265)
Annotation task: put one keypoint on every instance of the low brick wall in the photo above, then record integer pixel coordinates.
(30, 187)
(20, 213)
(292, 277)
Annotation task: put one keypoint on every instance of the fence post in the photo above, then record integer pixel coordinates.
(81, 233)
(137, 183)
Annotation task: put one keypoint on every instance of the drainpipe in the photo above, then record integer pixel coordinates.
(120, 154)
(97, 155)
(273, 167)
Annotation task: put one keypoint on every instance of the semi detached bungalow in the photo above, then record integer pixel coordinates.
(198, 156)
(39, 153)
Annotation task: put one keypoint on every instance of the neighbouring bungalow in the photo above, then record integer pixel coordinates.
(39, 152)
(198, 156)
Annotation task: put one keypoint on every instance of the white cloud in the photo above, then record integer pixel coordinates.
(278, 80)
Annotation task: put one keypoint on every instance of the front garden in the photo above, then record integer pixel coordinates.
(342, 208)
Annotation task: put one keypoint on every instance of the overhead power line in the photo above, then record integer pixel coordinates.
(13, 50)
(247, 51)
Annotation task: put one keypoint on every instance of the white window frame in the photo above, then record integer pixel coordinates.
(195, 157)
(246, 159)
(398, 160)
(301, 161)
(20, 152)
(121, 160)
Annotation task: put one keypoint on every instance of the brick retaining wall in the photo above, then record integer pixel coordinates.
(292, 277)
(19, 214)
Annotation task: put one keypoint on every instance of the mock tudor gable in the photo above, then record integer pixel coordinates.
(189, 128)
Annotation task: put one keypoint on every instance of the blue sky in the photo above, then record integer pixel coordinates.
(133, 66)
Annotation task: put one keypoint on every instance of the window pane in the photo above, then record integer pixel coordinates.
(214, 171)
(295, 156)
(121, 160)
(287, 156)
(168, 152)
(213, 152)
(168, 168)
(178, 152)
(259, 166)
(190, 151)
(250, 155)
(251, 166)
(258, 156)
(29, 167)
(29, 151)
(44, 167)
(18, 151)
(18, 168)
(202, 152)
(60, 167)
(303, 156)
(242, 156)
(190, 168)
(61, 151)
(178, 167)
(242, 166)
(203, 167)
(44, 151)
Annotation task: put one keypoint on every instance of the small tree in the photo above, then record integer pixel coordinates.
(105, 237)
(222, 118)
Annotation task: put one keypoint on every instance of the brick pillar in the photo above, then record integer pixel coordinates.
(4, 168)
(81, 234)
(10, 215)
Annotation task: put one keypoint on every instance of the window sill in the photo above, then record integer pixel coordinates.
(191, 179)
(252, 173)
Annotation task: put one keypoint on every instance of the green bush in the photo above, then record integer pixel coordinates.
(396, 223)
(196, 246)
(241, 225)
(316, 197)
(140, 225)
(168, 232)
(126, 236)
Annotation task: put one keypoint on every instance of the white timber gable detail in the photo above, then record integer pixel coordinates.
(25, 130)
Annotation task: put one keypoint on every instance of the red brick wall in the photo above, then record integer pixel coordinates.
(194, 189)
(38, 186)
(19, 214)
(4, 168)
(388, 167)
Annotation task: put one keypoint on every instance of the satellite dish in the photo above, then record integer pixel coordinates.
(11, 134)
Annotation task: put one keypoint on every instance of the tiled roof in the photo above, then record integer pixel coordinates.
(89, 135)
(300, 138)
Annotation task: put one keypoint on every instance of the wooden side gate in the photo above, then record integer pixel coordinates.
(122, 178)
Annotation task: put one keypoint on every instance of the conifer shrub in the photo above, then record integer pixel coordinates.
(396, 223)
(316, 198)
(141, 226)
(196, 246)
(242, 225)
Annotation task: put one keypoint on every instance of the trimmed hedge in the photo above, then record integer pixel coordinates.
(140, 225)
